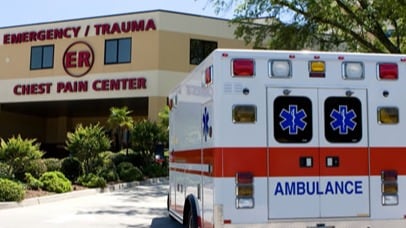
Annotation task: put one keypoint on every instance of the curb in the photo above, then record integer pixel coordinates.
(80, 193)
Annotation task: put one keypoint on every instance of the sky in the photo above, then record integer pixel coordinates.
(14, 12)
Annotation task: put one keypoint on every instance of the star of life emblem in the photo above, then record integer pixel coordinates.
(293, 119)
(205, 124)
(343, 119)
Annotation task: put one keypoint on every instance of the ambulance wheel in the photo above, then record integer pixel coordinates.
(191, 220)
(190, 213)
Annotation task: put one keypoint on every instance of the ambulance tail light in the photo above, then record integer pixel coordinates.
(317, 69)
(388, 71)
(244, 190)
(208, 75)
(389, 187)
(169, 103)
(243, 67)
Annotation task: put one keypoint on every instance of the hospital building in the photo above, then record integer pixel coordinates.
(55, 75)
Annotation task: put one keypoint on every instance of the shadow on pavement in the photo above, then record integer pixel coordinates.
(165, 222)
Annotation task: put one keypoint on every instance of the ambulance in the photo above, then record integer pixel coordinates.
(262, 138)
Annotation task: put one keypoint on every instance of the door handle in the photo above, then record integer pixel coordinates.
(332, 161)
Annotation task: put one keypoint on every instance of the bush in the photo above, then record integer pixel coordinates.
(53, 164)
(11, 191)
(86, 143)
(55, 182)
(32, 182)
(128, 172)
(71, 168)
(35, 167)
(156, 170)
(4, 171)
(107, 168)
(17, 152)
(92, 181)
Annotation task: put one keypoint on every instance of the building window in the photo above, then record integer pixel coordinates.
(42, 57)
(200, 49)
(117, 51)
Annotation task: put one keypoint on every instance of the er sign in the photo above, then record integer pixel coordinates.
(78, 59)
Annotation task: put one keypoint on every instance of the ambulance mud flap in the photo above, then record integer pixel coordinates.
(321, 225)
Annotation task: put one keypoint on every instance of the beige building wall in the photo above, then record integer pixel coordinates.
(159, 56)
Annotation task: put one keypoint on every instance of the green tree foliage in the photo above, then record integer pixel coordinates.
(86, 143)
(371, 26)
(120, 122)
(17, 152)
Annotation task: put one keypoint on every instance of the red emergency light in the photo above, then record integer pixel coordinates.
(388, 71)
(208, 75)
(243, 67)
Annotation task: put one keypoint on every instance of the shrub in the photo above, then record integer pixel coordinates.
(86, 143)
(92, 181)
(53, 164)
(11, 191)
(32, 182)
(128, 172)
(155, 170)
(17, 152)
(35, 167)
(55, 181)
(71, 168)
(4, 168)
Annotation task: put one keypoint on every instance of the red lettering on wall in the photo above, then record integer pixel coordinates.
(32, 89)
(78, 59)
(72, 87)
(124, 27)
(119, 84)
(41, 35)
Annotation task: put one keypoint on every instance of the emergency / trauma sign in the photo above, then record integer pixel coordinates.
(293, 119)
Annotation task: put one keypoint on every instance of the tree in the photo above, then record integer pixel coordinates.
(86, 143)
(145, 137)
(360, 25)
(17, 152)
(120, 122)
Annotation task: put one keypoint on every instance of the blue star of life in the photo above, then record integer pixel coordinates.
(293, 119)
(343, 119)
(205, 123)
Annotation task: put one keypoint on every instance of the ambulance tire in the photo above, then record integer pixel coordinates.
(190, 218)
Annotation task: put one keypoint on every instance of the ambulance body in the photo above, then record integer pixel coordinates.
(289, 139)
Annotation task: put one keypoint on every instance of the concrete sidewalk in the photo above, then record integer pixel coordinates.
(79, 193)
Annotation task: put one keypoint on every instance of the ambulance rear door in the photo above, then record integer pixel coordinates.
(318, 153)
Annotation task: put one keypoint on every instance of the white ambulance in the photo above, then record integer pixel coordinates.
(289, 139)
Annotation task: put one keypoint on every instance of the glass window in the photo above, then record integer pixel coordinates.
(117, 51)
(42, 57)
(293, 119)
(342, 116)
(200, 49)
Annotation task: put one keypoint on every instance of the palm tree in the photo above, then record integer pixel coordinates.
(120, 122)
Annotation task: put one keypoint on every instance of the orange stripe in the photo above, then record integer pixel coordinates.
(387, 158)
(284, 162)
